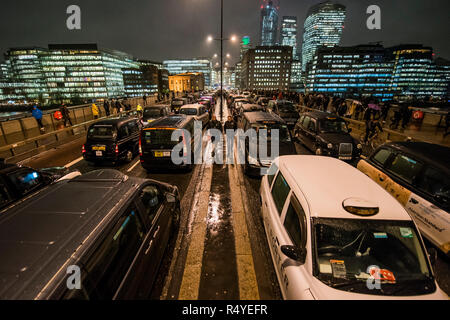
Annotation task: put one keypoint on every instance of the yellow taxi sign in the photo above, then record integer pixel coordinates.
(360, 207)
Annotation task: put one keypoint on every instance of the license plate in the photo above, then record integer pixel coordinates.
(99, 148)
(98, 153)
(160, 154)
(345, 158)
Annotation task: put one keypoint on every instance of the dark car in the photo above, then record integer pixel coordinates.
(113, 140)
(263, 101)
(328, 135)
(154, 112)
(115, 235)
(262, 120)
(286, 110)
(177, 103)
(18, 182)
(156, 145)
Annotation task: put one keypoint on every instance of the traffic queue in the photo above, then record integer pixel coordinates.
(334, 230)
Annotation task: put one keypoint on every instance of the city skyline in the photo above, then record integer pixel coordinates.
(240, 19)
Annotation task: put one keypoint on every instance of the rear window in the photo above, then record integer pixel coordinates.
(152, 112)
(189, 111)
(159, 136)
(99, 131)
(287, 108)
(382, 156)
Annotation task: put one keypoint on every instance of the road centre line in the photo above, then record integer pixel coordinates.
(70, 164)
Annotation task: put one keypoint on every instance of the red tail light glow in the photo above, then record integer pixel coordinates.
(83, 149)
(117, 149)
(140, 145)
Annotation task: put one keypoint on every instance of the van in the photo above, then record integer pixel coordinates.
(108, 244)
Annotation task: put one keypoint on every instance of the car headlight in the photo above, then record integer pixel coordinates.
(252, 161)
(330, 146)
(359, 146)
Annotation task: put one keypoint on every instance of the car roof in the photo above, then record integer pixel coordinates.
(175, 121)
(326, 182)
(158, 106)
(41, 234)
(194, 105)
(250, 106)
(434, 154)
(113, 121)
(320, 115)
(259, 116)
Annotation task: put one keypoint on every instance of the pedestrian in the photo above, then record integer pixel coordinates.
(37, 114)
(106, 106)
(95, 111)
(230, 124)
(385, 111)
(65, 114)
(447, 125)
(118, 106)
(371, 127)
(140, 110)
(215, 124)
(406, 115)
(145, 99)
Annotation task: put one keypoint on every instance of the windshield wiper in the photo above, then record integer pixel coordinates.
(346, 284)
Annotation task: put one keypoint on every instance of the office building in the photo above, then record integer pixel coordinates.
(163, 81)
(323, 27)
(202, 65)
(296, 77)
(267, 68)
(187, 82)
(238, 77)
(359, 71)
(268, 23)
(140, 81)
(289, 34)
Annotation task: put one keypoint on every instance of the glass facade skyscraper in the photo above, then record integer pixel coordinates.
(289, 33)
(323, 27)
(202, 65)
(269, 24)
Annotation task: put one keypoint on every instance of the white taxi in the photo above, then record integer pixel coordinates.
(334, 233)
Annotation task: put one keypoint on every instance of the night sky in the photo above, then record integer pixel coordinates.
(166, 29)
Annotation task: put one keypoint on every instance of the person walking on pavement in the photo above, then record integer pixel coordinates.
(145, 99)
(140, 110)
(230, 124)
(106, 106)
(447, 125)
(118, 106)
(215, 124)
(65, 114)
(371, 127)
(95, 111)
(37, 114)
(406, 115)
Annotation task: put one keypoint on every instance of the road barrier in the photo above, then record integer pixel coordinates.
(22, 139)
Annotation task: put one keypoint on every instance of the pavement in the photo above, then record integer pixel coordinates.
(221, 251)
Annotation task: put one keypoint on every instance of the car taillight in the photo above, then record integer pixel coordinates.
(117, 149)
(140, 145)
(83, 149)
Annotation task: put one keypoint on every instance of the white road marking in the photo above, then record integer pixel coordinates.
(73, 162)
(133, 166)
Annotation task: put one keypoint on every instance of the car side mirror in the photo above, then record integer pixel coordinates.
(294, 253)
(432, 254)
(171, 198)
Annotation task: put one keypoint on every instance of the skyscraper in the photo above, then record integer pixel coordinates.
(323, 27)
(269, 23)
(245, 45)
(289, 33)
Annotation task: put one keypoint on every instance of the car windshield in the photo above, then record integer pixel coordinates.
(102, 131)
(333, 126)
(152, 112)
(349, 251)
(189, 111)
(287, 108)
(283, 131)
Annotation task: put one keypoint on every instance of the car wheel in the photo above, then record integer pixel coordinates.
(176, 222)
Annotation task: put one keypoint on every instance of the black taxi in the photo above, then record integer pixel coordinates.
(327, 134)
(260, 120)
(112, 140)
(156, 144)
(108, 244)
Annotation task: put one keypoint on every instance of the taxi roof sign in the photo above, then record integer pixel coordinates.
(360, 207)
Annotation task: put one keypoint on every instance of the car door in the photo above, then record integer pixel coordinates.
(294, 232)
(114, 264)
(157, 214)
(134, 127)
(426, 205)
(275, 207)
